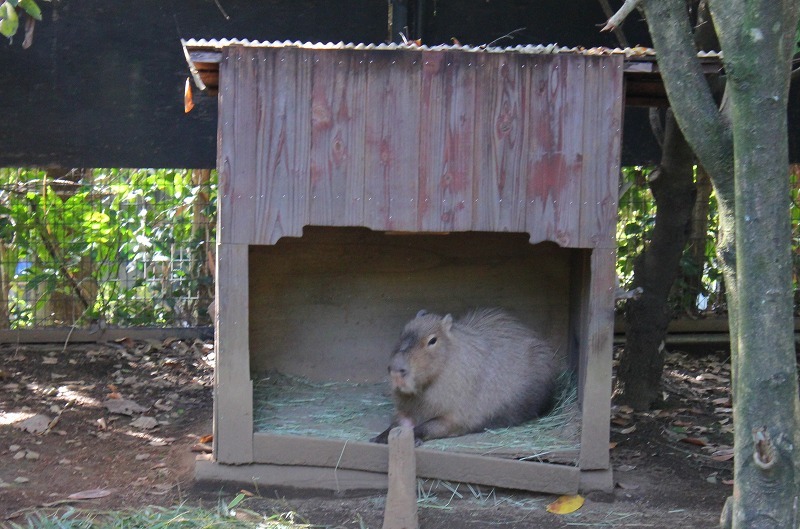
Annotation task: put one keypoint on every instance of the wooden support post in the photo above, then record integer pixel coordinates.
(401, 499)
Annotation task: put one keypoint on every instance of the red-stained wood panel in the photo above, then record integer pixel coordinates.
(501, 143)
(237, 158)
(226, 128)
(446, 139)
(555, 162)
(339, 86)
(283, 140)
(602, 135)
(391, 158)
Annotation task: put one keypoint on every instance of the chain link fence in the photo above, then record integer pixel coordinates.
(96, 247)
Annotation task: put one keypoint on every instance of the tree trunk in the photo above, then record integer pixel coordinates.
(655, 269)
(758, 41)
(698, 237)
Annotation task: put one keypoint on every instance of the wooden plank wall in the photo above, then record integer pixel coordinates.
(412, 140)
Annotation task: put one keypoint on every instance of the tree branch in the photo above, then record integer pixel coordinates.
(617, 30)
(619, 17)
(688, 92)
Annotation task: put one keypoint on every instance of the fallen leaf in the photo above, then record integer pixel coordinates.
(566, 504)
(627, 486)
(145, 423)
(697, 441)
(626, 431)
(202, 448)
(612, 445)
(723, 455)
(625, 468)
(123, 406)
(36, 424)
(727, 482)
(49, 360)
(90, 494)
(206, 438)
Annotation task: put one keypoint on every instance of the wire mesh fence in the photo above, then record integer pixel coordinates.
(84, 247)
(134, 247)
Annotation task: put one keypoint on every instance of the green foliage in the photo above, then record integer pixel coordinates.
(9, 15)
(634, 230)
(637, 216)
(180, 517)
(120, 245)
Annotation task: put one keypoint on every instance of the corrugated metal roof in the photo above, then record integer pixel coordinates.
(643, 80)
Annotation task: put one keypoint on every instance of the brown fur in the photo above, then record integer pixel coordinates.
(485, 370)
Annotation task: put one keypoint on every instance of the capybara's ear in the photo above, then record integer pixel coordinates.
(447, 322)
(421, 313)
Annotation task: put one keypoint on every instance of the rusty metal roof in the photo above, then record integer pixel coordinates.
(643, 85)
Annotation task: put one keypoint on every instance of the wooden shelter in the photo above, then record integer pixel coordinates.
(359, 184)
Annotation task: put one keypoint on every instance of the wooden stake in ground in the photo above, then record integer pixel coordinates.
(401, 499)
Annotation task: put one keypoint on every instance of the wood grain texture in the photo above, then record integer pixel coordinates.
(419, 141)
(465, 468)
(283, 96)
(555, 159)
(602, 139)
(596, 352)
(237, 148)
(391, 159)
(401, 499)
(339, 84)
(233, 388)
(446, 136)
(501, 142)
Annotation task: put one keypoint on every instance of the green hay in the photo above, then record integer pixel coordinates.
(290, 405)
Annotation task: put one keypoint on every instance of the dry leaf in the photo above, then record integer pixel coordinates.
(626, 431)
(90, 494)
(206, 439)
(36, 424)
(697, 441)
(188, 104)
(123, 406)
(723, 455)
(566, 504)
(145, 423)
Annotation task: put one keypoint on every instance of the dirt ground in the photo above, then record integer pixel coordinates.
(672, 467)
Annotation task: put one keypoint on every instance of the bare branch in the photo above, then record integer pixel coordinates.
(617, 30)
(619, 17)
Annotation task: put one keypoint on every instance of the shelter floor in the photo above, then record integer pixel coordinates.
(291, 405)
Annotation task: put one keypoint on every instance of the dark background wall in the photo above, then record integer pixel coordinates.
(102, 84)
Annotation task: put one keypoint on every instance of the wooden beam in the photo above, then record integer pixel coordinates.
(467, 468)
(233, 389)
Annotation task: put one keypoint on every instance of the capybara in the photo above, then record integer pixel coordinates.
(485, 370)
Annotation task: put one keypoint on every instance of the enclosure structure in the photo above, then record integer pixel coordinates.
(361, 184)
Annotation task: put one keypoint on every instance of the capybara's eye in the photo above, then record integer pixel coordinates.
(432, 341)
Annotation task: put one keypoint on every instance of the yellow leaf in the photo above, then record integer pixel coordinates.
(566, 504)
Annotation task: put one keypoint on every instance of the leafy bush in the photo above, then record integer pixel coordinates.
(125, 247)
